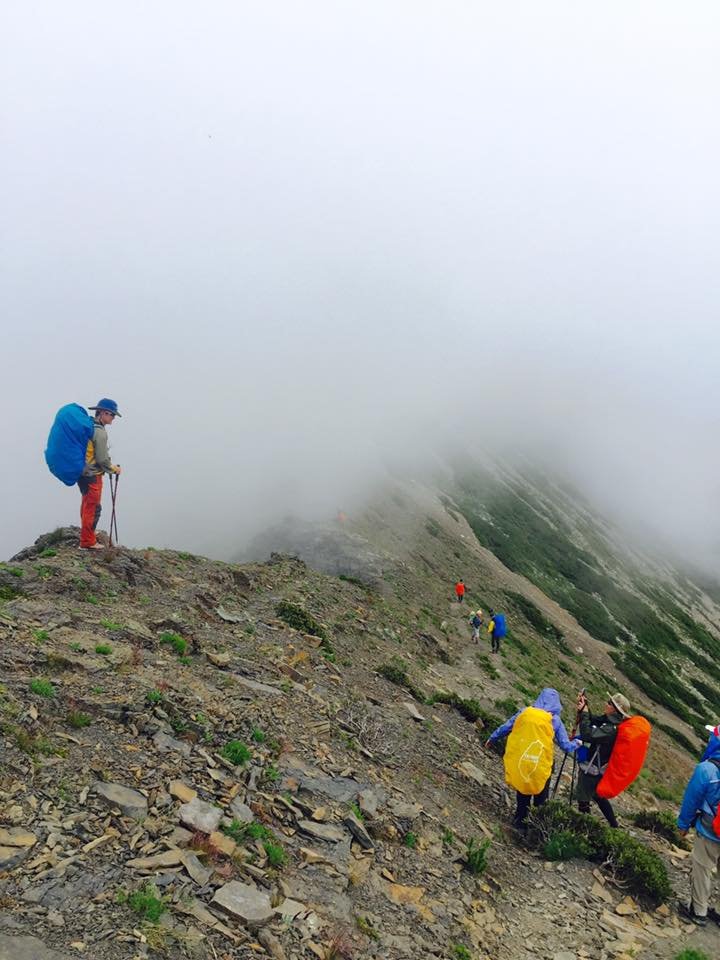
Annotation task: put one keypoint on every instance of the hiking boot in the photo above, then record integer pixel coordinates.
(713, 915)
(687, 912)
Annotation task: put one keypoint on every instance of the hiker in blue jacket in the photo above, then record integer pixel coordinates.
(497, 628)
(699, 806)
(549, 700)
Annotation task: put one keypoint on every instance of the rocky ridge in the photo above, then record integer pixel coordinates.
(185, 774)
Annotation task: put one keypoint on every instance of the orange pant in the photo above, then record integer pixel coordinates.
(90, 508)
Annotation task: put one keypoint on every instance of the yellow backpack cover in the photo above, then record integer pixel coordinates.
(529, 751)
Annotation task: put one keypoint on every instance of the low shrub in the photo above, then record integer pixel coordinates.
(104, 649)
(662, 823)
(468, 709)
(396, 672)
(410, 840)
(640, 868)
(565, 845)
(691, 954)
(298, 618)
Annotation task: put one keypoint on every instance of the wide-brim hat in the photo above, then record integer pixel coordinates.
(621, 703)
(108, 405)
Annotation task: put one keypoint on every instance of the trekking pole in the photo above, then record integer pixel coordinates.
(572, 779)
(557, 780)
(113, 517)
(573, 734)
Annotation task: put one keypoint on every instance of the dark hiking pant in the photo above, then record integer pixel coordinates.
(586, 786)
(524, 800)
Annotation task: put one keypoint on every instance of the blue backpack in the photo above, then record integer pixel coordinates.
(67, 443)
(500, 629)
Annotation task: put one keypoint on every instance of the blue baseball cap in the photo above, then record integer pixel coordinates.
(108, 405)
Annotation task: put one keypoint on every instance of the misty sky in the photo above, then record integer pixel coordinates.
(289, 238)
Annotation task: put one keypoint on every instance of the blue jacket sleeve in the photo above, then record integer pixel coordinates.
(694, 797)
(561, 737)
(505, 728)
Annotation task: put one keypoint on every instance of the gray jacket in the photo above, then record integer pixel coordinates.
(98, 453)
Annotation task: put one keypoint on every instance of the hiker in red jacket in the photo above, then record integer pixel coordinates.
(460, 590)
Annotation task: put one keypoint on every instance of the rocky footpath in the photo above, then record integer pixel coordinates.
(185, 774)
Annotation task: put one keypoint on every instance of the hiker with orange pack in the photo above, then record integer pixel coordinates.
(460, 591)
(528, 756)
(616, 745)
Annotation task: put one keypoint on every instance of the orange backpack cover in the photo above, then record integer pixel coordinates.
(627, 757)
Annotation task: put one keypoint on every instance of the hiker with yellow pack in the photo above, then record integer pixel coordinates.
(528, 756)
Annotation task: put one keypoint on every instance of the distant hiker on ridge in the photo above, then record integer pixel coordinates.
(528, 754)
(699, 809)
(497, 628)
(97, 462)
(476, 623)
(460, 591)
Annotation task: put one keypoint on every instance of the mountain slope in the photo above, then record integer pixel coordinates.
(297, 700)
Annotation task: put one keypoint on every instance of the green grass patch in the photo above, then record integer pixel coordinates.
(111, 625)
(275, 854)
(147, 904)
(43, 688)
(410, 840)
(41, 635)
(174, 640)
(240, 831)
(153, 696)
(104, 649)
(77, 719)
(460, 952)
(236, 752)
(476, 856)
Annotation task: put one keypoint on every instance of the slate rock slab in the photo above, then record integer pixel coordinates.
(27, 948)
(130, 802)
(244, 902)
(322, 831)
(201, 815)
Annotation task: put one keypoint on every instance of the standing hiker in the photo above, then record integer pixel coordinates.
(528, 755)
(599, 733)
(699, 809)
(97, 462)
(476, 623)
(460, 590)
(497, 628)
